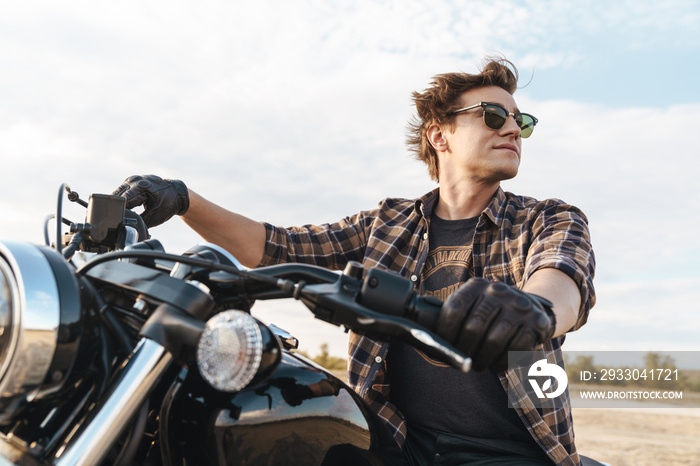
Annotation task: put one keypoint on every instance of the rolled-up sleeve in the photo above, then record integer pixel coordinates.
(561, 240)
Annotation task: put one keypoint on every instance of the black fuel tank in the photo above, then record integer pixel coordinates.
(300, 415)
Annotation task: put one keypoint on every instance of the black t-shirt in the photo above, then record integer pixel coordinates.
(431, 394)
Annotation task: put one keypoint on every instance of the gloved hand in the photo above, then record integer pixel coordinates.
(485, 320)
(161, 198)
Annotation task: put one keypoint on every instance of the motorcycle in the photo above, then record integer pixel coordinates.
(113, 351)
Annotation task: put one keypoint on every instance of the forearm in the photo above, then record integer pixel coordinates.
(562, 291)
(241, 236)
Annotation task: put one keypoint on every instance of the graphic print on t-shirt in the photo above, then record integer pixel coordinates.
(447, 265)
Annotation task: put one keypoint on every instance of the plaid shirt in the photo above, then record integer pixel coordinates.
(515, 236)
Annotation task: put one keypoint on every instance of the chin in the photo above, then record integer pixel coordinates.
(512, 174)
(506, 169)
(508, 173)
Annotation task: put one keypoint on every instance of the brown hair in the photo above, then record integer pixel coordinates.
(437, 101)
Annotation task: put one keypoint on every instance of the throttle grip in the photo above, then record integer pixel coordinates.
(390, 293)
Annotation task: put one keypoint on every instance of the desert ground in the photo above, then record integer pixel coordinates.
(639, 436)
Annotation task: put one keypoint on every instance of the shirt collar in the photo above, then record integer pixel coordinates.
(494, 211)
(425, 204)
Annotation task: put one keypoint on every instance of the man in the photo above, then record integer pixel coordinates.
(467, 235)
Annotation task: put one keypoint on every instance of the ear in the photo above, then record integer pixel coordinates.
(437, 138)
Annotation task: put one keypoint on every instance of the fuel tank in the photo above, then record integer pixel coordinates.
(300, 415)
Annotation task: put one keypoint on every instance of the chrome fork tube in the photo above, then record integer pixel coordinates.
(138, 377)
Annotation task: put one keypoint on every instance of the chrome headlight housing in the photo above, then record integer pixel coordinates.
(39, 305)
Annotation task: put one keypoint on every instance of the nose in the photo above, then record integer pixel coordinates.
(510, 127)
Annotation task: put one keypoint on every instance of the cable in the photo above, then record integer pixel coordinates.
(73, 245)
(133, 439)
(73, 197)
(48, 218)
(59, 214)
(175, 258)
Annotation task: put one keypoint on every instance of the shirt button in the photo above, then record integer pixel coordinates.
(378, 359)
(414, 278)
(425, 236)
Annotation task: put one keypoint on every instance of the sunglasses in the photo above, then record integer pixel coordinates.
(495, 117)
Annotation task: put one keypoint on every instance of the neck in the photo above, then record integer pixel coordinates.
(462, 201)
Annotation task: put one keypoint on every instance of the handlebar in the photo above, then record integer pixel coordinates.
(382, 305)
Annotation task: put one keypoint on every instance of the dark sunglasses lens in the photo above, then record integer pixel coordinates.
(494, 117)
(526, 123)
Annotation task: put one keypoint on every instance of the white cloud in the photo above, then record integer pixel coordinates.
(660, 315)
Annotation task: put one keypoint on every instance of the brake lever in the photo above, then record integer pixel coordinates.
(336, 304)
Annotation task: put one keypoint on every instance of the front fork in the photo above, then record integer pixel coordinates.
(137, 378)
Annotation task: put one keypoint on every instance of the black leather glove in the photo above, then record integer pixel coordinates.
(485, 320)
(161, 198)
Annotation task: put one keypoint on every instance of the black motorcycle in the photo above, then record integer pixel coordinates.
(113, 351)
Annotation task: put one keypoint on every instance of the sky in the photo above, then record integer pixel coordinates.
(296, 113)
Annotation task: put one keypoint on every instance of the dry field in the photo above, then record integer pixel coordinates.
(639, 437)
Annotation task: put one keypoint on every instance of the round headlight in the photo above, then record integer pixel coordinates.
(33, 312)
(38, 296)
(230, 350)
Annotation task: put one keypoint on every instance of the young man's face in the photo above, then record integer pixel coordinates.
(476, 151)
